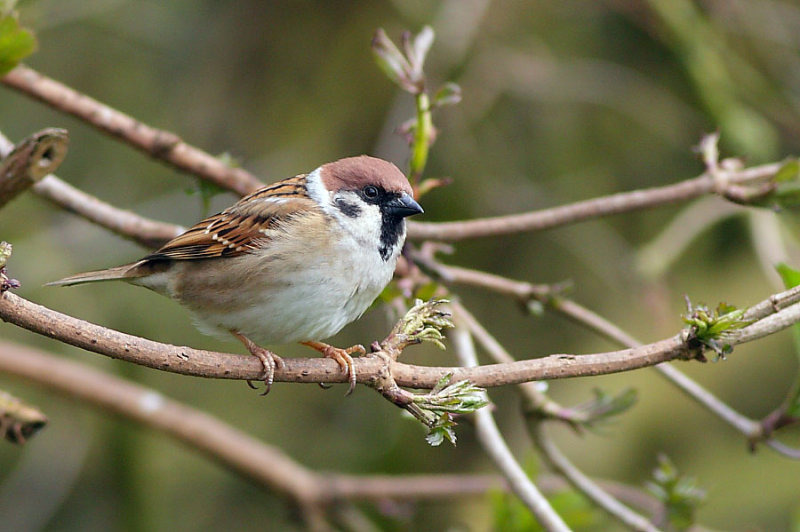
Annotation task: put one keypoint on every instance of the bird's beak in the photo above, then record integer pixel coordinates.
(403, 205)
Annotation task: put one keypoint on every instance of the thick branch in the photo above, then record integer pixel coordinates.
(237, 450)
(159, 144)
(189, 361)
(584, 210)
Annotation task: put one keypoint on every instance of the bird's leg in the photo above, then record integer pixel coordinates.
(342, 357)
(269, 360)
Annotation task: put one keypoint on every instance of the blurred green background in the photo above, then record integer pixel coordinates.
(562, 101)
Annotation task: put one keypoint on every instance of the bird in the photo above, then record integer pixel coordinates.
(294, 261)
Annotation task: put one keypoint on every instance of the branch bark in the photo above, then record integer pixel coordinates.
(256, 460)
(29, 161)
(157, 143)
(189, 361)
(149, 233)
(495, 447)
(635, 200)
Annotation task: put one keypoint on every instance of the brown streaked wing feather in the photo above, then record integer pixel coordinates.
(240, 228)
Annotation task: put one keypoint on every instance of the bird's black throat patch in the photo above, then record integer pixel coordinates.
(391, 230)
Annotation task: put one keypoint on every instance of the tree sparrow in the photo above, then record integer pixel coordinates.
(294, 261)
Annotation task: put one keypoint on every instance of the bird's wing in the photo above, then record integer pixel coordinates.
(242, 228)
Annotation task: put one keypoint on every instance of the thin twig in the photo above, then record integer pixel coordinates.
(159, 144)
(772, 304)
(495, 446)
(751, 429)
(765, 326)
(127, 224)
(584, 210)
(544, 408)
(595, 322)
(496, 283)
(530, 390)
(783, 449)
(584, 484)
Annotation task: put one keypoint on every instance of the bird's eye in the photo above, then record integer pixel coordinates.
(370, 192)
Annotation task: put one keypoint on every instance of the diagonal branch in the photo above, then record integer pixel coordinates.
(157, 143)
(541, 404)
(496, 448)
(144, 231)
(523, 291)
(149, 233)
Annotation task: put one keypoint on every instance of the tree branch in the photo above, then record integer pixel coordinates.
(537, 399)
(545, 407)
(159, 144)
(753, 430)
(594, 208)
(257, 461)
(495, 446)
(149, 233)
(189, 361)
(23, 165)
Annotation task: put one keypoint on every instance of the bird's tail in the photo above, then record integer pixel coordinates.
(128, 271)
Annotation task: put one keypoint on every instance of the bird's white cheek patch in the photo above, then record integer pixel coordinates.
(316, 190)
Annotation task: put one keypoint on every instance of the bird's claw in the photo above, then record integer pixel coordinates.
(342, 357)
(269, 361)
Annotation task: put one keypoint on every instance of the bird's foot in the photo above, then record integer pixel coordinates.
(269, 361)
(342, 357)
